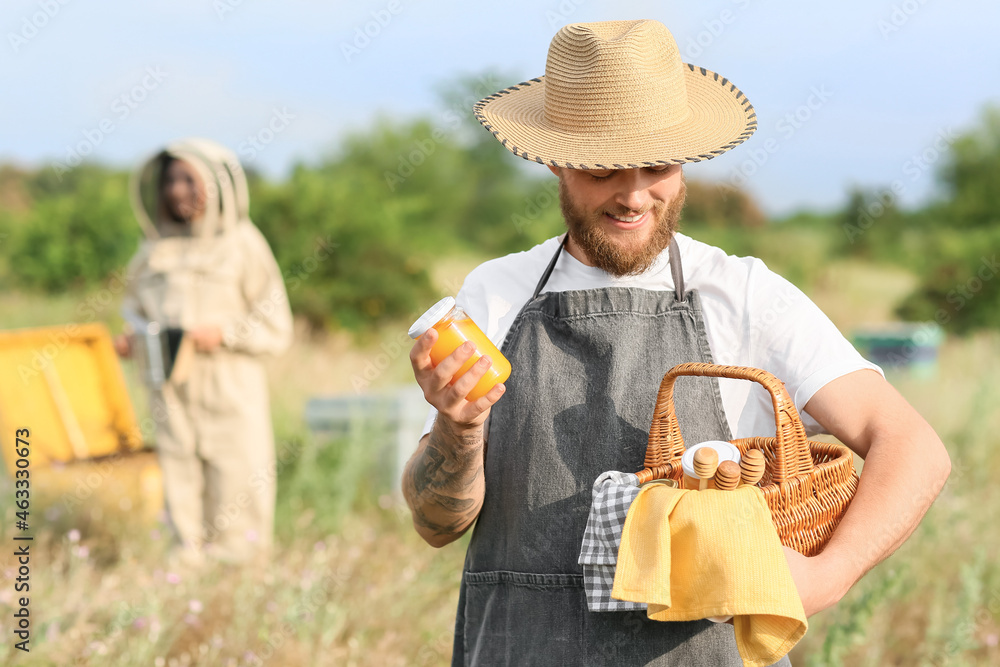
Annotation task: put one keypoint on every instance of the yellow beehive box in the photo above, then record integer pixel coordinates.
(64, 385)
(128, 484)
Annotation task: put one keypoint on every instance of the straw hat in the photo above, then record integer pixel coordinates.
(616, 95)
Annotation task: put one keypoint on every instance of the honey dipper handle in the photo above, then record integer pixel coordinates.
(666, 445)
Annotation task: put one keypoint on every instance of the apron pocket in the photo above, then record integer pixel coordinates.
(522, 618)
(631, 638)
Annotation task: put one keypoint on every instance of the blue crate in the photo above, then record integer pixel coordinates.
(903, 346)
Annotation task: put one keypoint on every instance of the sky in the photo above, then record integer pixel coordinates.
(853, 93)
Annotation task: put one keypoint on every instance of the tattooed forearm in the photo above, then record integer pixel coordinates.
(443, 483)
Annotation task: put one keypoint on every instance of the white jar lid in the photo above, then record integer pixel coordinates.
(431, 317)
(727, 451)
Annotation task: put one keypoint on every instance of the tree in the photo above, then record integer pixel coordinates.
(959, 287)
(75, 234)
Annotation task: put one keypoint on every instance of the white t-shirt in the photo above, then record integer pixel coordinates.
(753, 317)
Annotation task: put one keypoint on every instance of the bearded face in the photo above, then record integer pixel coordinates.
(603, 234)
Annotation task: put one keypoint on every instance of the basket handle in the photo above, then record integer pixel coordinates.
(791, 452)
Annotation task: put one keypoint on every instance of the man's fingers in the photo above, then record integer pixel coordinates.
(445, 372)
(420, 357)
(435, 380)
(446, 392)
(485, 402)
(471, 377)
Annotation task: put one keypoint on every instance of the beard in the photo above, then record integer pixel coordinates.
(626, 254)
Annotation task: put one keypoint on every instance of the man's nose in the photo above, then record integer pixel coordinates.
(633, 193)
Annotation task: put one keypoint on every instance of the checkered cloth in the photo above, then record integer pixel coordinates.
(613, 494)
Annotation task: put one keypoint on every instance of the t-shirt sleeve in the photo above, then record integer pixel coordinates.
(793, 339)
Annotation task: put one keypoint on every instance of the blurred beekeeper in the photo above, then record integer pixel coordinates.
(206, 269)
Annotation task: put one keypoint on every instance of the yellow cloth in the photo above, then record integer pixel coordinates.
(694, 554)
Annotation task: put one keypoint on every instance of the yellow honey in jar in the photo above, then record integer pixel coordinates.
(454, 328)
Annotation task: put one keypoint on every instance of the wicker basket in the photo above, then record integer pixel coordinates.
(808, 485)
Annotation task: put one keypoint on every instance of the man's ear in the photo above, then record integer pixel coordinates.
(554, 170)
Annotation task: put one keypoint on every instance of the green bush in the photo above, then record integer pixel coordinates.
(960, 288)
(75, 234)
(957, 259)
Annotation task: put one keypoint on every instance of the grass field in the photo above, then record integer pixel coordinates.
(352, 584)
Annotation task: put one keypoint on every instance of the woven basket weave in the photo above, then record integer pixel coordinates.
(807, 485)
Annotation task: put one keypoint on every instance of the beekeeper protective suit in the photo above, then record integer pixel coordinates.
(214, 435)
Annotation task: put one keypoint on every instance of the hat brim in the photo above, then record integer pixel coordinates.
(721, 118)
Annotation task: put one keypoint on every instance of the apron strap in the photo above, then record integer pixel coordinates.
(551, 266)
(676, 270)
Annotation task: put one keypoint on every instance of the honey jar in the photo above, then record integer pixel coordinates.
(454, 328)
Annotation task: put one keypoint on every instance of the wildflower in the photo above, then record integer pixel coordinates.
(195, 606)
(173, 578)
(73, 535)
(97, 647)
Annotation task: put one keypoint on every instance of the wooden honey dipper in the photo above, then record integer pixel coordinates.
(727, 477)
(706, 461)
(752, 466)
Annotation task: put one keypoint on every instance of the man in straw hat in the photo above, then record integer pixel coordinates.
(591, 322)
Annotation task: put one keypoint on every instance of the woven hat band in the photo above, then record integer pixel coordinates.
(616, 77)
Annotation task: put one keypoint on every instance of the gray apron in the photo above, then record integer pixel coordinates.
(587, 365)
